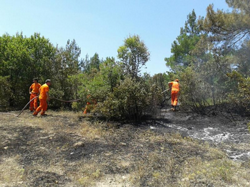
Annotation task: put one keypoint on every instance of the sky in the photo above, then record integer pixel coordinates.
(101, 26)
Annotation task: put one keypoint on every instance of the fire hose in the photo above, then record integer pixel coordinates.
(69, 101)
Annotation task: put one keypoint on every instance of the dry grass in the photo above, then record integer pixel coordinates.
(11, 171)
(65, 149)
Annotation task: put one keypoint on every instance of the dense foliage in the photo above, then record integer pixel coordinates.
(115, 89)
(210, 57)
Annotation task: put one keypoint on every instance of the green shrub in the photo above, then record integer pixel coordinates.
(128, 101)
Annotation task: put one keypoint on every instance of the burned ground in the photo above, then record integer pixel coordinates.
(67, 149)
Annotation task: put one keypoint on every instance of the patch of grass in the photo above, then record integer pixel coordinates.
(11, 171)
(89, 178)
(91, 132)
(86, 174)
(217, 172)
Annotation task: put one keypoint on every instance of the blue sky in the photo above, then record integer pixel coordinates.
(101, 26)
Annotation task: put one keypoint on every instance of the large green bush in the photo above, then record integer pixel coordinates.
(128, 101)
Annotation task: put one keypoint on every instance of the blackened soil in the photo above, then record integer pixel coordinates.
(62, 149)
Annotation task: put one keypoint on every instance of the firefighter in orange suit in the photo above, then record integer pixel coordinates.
(34, 92)
(87, 108)
(43, 98)
(174, 86)
(90, 104)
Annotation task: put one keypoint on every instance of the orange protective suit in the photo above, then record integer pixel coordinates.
(174, 85)
(43, 100)
(34, 92)
(89, 105)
